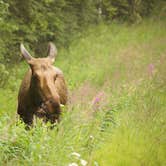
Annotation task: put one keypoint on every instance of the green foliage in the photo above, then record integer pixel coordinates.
(4, 75)
(45, 20)
(130, 10)
(6, 32)
(116, 116)
(36, 22)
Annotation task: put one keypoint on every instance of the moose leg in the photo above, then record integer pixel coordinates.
(27, 119)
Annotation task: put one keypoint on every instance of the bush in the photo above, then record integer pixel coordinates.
(4, 75)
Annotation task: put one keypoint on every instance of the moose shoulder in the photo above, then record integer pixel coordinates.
(43, 88)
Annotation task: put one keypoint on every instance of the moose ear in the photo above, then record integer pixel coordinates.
(52, 51)
(25, 53)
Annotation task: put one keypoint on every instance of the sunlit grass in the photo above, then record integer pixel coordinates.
(116, 116)
(139, 136)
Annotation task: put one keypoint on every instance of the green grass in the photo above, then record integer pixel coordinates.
(122, 65)
(139, 136)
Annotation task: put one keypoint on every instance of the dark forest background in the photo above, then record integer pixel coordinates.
(35, 22)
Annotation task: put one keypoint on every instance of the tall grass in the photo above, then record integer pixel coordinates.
(116, 116)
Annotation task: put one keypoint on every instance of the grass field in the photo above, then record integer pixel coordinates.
(116, 76)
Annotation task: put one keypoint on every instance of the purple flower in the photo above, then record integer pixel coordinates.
(97, 100)
(98, 97)
(151, 69)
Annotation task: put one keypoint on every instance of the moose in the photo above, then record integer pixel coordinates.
(43, 89)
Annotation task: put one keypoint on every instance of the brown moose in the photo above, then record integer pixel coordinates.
(43, 88)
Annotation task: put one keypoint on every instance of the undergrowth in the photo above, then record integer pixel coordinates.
(116, 116)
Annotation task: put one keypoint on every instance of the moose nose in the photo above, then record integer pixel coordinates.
(53, 105)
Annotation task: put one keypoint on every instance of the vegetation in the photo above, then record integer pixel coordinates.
(115, 72)
(36, 22)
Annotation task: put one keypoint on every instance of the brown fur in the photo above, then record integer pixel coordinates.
(42, 90)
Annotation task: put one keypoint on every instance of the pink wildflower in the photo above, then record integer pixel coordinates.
(151, 69)
(97, 99)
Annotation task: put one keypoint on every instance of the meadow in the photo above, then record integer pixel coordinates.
(117, 99)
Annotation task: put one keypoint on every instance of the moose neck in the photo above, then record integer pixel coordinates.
(34, 93)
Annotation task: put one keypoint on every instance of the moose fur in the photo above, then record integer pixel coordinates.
(43, 88)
